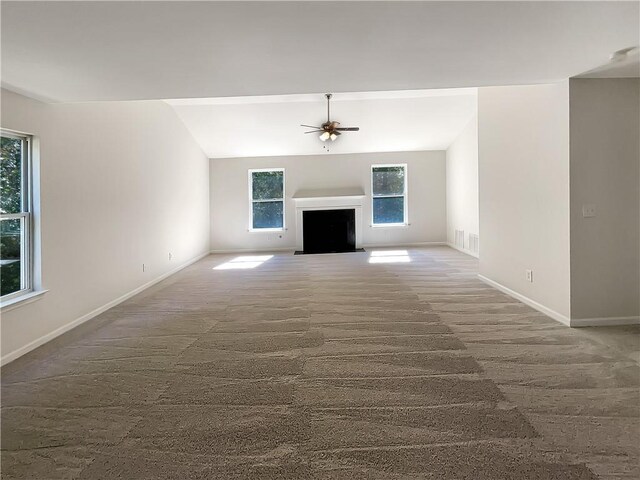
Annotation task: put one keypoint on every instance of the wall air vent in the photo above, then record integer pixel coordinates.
(474, 243)
(459, 238)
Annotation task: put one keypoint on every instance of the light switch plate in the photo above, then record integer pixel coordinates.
(588, 210)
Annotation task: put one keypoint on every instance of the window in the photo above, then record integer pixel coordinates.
(388, 195)
(266, 190)
(15, 216)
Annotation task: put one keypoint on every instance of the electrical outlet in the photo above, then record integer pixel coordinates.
(588, 210)
(529, 275)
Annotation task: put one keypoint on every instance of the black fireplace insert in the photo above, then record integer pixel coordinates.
(329, 231)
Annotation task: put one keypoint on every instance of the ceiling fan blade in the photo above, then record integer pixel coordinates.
(310, 126)
(348, 129)
(315, 131)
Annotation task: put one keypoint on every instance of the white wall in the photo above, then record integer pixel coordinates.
(462, 185)
(605, 172)
(523, 137)
(122, 184)
(230, 204)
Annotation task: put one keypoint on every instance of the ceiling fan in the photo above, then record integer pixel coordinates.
(330, 130)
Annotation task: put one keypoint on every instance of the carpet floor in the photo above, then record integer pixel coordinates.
(325, 367)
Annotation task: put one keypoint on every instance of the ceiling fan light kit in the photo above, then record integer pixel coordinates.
(330, 130)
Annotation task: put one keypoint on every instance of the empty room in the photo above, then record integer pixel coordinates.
(320, 240)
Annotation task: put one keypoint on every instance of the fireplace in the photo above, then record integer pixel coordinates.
(329, 220)
(329, 231)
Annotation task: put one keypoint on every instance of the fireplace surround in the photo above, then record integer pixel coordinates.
(329, 200)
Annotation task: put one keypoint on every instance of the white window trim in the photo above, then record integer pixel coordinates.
(251, 200)
(405, 222)
(26, 214)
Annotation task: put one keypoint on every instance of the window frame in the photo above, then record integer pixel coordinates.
(405, 203)
(26, 217)
(252, 201)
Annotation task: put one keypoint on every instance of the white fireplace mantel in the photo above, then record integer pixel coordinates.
(329, 199)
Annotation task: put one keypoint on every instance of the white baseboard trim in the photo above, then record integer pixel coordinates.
(292, 249)
(604, 321)
(9, 357)
(463, 250)
(389, 245)
(253, 250)
(526, 300)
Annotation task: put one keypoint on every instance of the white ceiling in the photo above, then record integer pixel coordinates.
(270, 126)
(82, 51)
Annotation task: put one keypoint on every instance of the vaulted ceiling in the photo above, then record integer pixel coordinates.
(270, 125)
(84, 51)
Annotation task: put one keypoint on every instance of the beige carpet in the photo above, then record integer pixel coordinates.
(325, 367)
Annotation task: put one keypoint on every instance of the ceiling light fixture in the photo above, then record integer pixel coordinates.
(325, 136)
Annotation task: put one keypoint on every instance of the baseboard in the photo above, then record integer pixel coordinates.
(254, 250)
(94, 313)
(292, 249)
(604, 321)
(389, 245)
(463, 250)
(526, 300)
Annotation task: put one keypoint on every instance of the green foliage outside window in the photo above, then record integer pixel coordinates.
(10, 175)
(388, 190)
(267, 185)
(388, 181)
(10, 278)
(267, 199)
(10, 202)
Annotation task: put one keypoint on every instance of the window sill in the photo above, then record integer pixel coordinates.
(25, 299)
(266, 230)
(390, 225)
